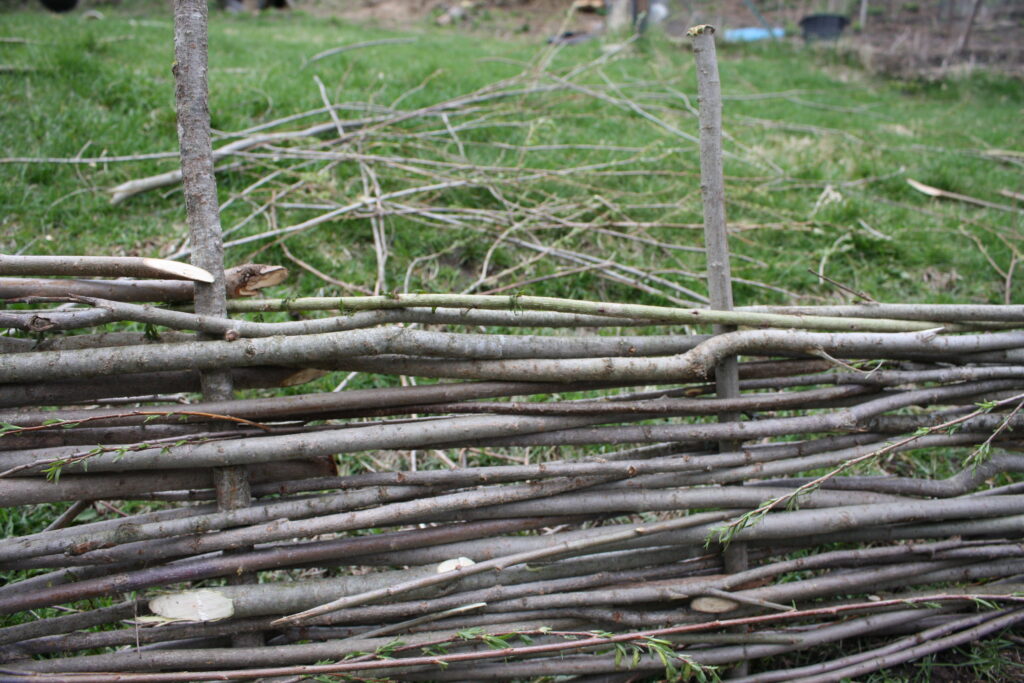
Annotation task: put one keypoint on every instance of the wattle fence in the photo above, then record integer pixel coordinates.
(572, 500)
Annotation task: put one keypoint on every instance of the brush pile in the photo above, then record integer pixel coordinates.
(574, 502)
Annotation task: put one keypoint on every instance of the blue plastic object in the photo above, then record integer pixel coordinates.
(752, 34)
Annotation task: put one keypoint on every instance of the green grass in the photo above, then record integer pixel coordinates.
(105, 87)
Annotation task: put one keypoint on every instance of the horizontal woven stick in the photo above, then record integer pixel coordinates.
(323, 405)
(89, 437)
(871, 579)
(19, 549)
(663, 500)
(119, 311)
(890, 377)
(280, 656)
(273, 599)
(776, 467)
(812, 398)
(511, 582)
(679, 591)
(1007, 526)
(974, 629)
(103, 266)
(15, 553)
(89, 341)
(400, 435)
(959, 484)
(840, 420)
(55, 321)
(312, 406)
(469, 430)
(664, 458)
(944, 624)
(598, 664)
(88, 582)
(309, 349)
(779, 530)
(66, 623)
(335, 514)
(530, 591)
(127, 485)
(920, 312)
(135, 636)
(606, 466)
(686, 316)
(979, 424)
(244, 280)
(143, 384)
(557, 547)
(564, 369)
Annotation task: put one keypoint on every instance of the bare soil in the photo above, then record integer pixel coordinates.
(902, 39)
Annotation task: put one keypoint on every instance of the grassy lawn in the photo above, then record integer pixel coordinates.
(584, 152)
(819, 156)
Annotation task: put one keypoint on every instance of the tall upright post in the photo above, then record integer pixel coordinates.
(716, 242)
(198, 180)
(202, 210)
(712, 186)
(965, 37)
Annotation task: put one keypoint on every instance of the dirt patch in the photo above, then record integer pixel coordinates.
(913, 42)
(493, 17)
(540, 18)
(902, 39)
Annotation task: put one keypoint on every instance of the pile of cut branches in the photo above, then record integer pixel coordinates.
(494, 200)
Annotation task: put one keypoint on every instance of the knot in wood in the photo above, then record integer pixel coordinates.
(38, 323)
(700, 29)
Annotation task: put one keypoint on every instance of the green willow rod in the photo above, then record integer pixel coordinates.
(662, 314)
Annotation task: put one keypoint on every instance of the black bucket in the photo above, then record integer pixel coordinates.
(59, 5)
(823, 26)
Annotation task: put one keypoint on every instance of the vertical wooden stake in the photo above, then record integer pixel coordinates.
(712, 186)
(203, 214)
(965, 36)
(198, 180)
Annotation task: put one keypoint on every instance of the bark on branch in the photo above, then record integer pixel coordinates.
(102, 266)
(244, 280)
